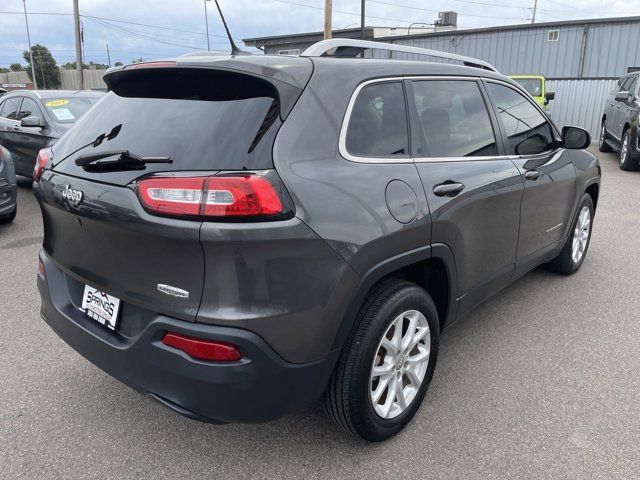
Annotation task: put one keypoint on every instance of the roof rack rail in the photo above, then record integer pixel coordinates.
(346, 47)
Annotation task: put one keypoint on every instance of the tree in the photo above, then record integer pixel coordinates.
(47, 73)
(16, 67)
(4, 70)
(137, 60)
(71, 66)
(118, 64)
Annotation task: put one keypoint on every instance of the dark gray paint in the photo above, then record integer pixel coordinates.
(298, 282)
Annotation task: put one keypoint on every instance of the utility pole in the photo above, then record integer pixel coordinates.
(108, 56)
(76, 24)
(535, 9)
(33, 70)
(328, 11)
(362, 20)
(206, 23)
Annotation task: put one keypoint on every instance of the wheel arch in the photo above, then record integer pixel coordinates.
(593, 190)
(431, 267)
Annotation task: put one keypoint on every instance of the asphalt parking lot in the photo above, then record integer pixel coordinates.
(542, 381)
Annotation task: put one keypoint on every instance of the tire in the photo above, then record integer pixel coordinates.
(568, 261)
(626, 163)
(348, 398)
(10, 218)
(603, 146)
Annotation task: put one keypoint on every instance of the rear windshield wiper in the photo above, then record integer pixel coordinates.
(93, 162)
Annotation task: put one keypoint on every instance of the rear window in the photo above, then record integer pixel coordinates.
(202, 119)
(533, 86)
(68, 110)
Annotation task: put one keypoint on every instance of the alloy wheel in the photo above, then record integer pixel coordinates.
(624, 150)
(581, 234)
(400, 364)
(603, 134)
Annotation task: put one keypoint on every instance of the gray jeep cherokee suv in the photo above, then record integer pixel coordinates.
(238, 237)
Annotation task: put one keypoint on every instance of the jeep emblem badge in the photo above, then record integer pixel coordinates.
(74, 197)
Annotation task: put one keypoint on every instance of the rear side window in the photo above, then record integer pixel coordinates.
(10, 108)
(454, 119)
(378, 122)
(202, 119)
(527, 130)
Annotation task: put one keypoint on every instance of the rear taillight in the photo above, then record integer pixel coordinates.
(214, 197)
(201, 349)
(42, 160)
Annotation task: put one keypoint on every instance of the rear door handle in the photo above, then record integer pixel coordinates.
(448, 189)
(532, 175)
(15, 127)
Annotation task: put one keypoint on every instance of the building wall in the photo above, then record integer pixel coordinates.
(582, 50)
(68, 78)
(582, 65)
(92, 79)
(14, 77)
(580, 103)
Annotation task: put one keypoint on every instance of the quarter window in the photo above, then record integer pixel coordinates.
(378, 122)
(528, 131)
(454, 119)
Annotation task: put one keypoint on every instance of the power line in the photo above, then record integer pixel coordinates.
(437, 11)
(572, 7)
(342, 12)
(141, 35)
(550, 14)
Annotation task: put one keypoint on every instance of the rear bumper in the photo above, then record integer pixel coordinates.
(259, 387)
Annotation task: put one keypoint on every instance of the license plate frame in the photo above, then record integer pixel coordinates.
(101, 307)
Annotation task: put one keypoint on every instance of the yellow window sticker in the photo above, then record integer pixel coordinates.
(56, 103)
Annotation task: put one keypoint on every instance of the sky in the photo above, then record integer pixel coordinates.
(174, 27)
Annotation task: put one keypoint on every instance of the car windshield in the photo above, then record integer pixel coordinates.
(533, 86)
(69, 109)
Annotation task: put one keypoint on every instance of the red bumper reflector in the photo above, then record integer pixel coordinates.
(202, 349)
(41, 272)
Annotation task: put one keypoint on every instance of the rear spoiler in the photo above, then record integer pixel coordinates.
(287, 77)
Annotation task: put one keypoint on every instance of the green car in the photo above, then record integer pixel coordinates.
(535, 86)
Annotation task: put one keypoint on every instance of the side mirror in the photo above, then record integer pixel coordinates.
(575, 138)
(32, 122)
(622, 96)
(549, 96)
(532, 145)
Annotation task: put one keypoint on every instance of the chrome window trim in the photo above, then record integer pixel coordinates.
(342, 142)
